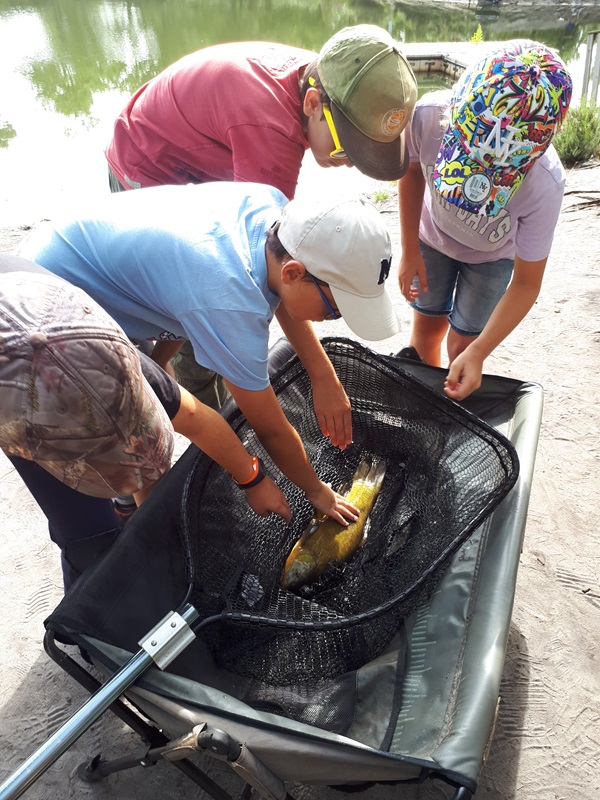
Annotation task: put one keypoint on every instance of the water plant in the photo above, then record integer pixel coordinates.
(382, 191)
(380, 195)
(477, 37)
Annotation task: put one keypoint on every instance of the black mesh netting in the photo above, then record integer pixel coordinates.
(446, 472)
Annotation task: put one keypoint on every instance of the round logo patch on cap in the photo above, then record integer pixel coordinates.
(393, 120)
(477, 188)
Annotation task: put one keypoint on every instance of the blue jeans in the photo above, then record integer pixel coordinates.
(465, 293)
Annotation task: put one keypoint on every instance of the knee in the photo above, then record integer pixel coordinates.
(429, 328)
(456, 343)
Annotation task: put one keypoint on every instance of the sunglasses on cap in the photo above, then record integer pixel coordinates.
(338, 151)
(333, 313)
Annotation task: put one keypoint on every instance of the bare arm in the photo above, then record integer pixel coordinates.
(411, 190)
(164, 351)
(331, 403)
(464, 375)
(282, 442)
(210, 432)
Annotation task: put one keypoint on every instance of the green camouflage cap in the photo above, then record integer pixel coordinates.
(373, 91)
(72, 394)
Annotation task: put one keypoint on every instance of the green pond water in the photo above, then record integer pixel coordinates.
(67, 66)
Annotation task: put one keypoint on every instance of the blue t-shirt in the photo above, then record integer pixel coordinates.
(177, 262)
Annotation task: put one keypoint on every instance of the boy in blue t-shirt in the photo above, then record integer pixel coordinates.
(84, 416)
(212, 263)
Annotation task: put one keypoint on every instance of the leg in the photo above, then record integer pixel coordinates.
(203, 383)
(83, 527)
(456, 343)
(479, 288)
(427, 335)
(431, 309)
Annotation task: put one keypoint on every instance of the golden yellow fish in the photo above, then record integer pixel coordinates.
(328, 541)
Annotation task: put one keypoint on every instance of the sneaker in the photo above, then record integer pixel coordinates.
(409, 353)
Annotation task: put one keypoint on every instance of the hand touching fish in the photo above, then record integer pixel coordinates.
(327, 541)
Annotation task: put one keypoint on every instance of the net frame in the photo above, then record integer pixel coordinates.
(434, 448)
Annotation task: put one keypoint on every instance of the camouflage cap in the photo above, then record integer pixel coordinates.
(72, 394)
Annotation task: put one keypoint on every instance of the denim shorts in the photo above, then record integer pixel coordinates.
(466, 293)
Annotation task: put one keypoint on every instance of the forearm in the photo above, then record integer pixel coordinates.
(210, 432)
(330, 401)
(164, 351)
(306, 345)
(410, 263)
(277, 435)
(512, 308)
(466, 365)
(411, 190)
(283, 444)
(288, 453)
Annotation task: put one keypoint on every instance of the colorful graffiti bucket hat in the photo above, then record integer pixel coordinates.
(504, 113)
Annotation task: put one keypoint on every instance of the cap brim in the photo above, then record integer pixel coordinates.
(370, 318)
(383, 161)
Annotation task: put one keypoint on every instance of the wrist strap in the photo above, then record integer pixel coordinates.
(258, 474)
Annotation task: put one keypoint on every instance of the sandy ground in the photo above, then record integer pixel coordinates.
(547, 741)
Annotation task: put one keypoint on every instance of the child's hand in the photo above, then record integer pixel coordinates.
(332, 504)
(267, 498)
(333, 411)
(464, 375)
(412, 267)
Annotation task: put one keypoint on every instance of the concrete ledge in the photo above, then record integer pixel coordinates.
(448, 58)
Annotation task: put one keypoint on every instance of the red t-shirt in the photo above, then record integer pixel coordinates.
(227, 112)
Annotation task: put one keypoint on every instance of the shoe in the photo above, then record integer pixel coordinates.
(409, 353)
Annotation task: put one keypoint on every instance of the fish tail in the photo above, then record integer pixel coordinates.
(376, 474)
(362, 471)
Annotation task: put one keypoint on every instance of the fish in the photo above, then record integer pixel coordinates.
(326, 541)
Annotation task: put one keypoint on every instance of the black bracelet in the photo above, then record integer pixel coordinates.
(258, 474)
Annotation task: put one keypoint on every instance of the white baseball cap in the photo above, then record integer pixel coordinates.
(346, 244)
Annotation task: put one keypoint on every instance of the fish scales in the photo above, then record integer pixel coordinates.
(325, 542)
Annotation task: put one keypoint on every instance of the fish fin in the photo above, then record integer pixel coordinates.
(366, 530)
(308, 531)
